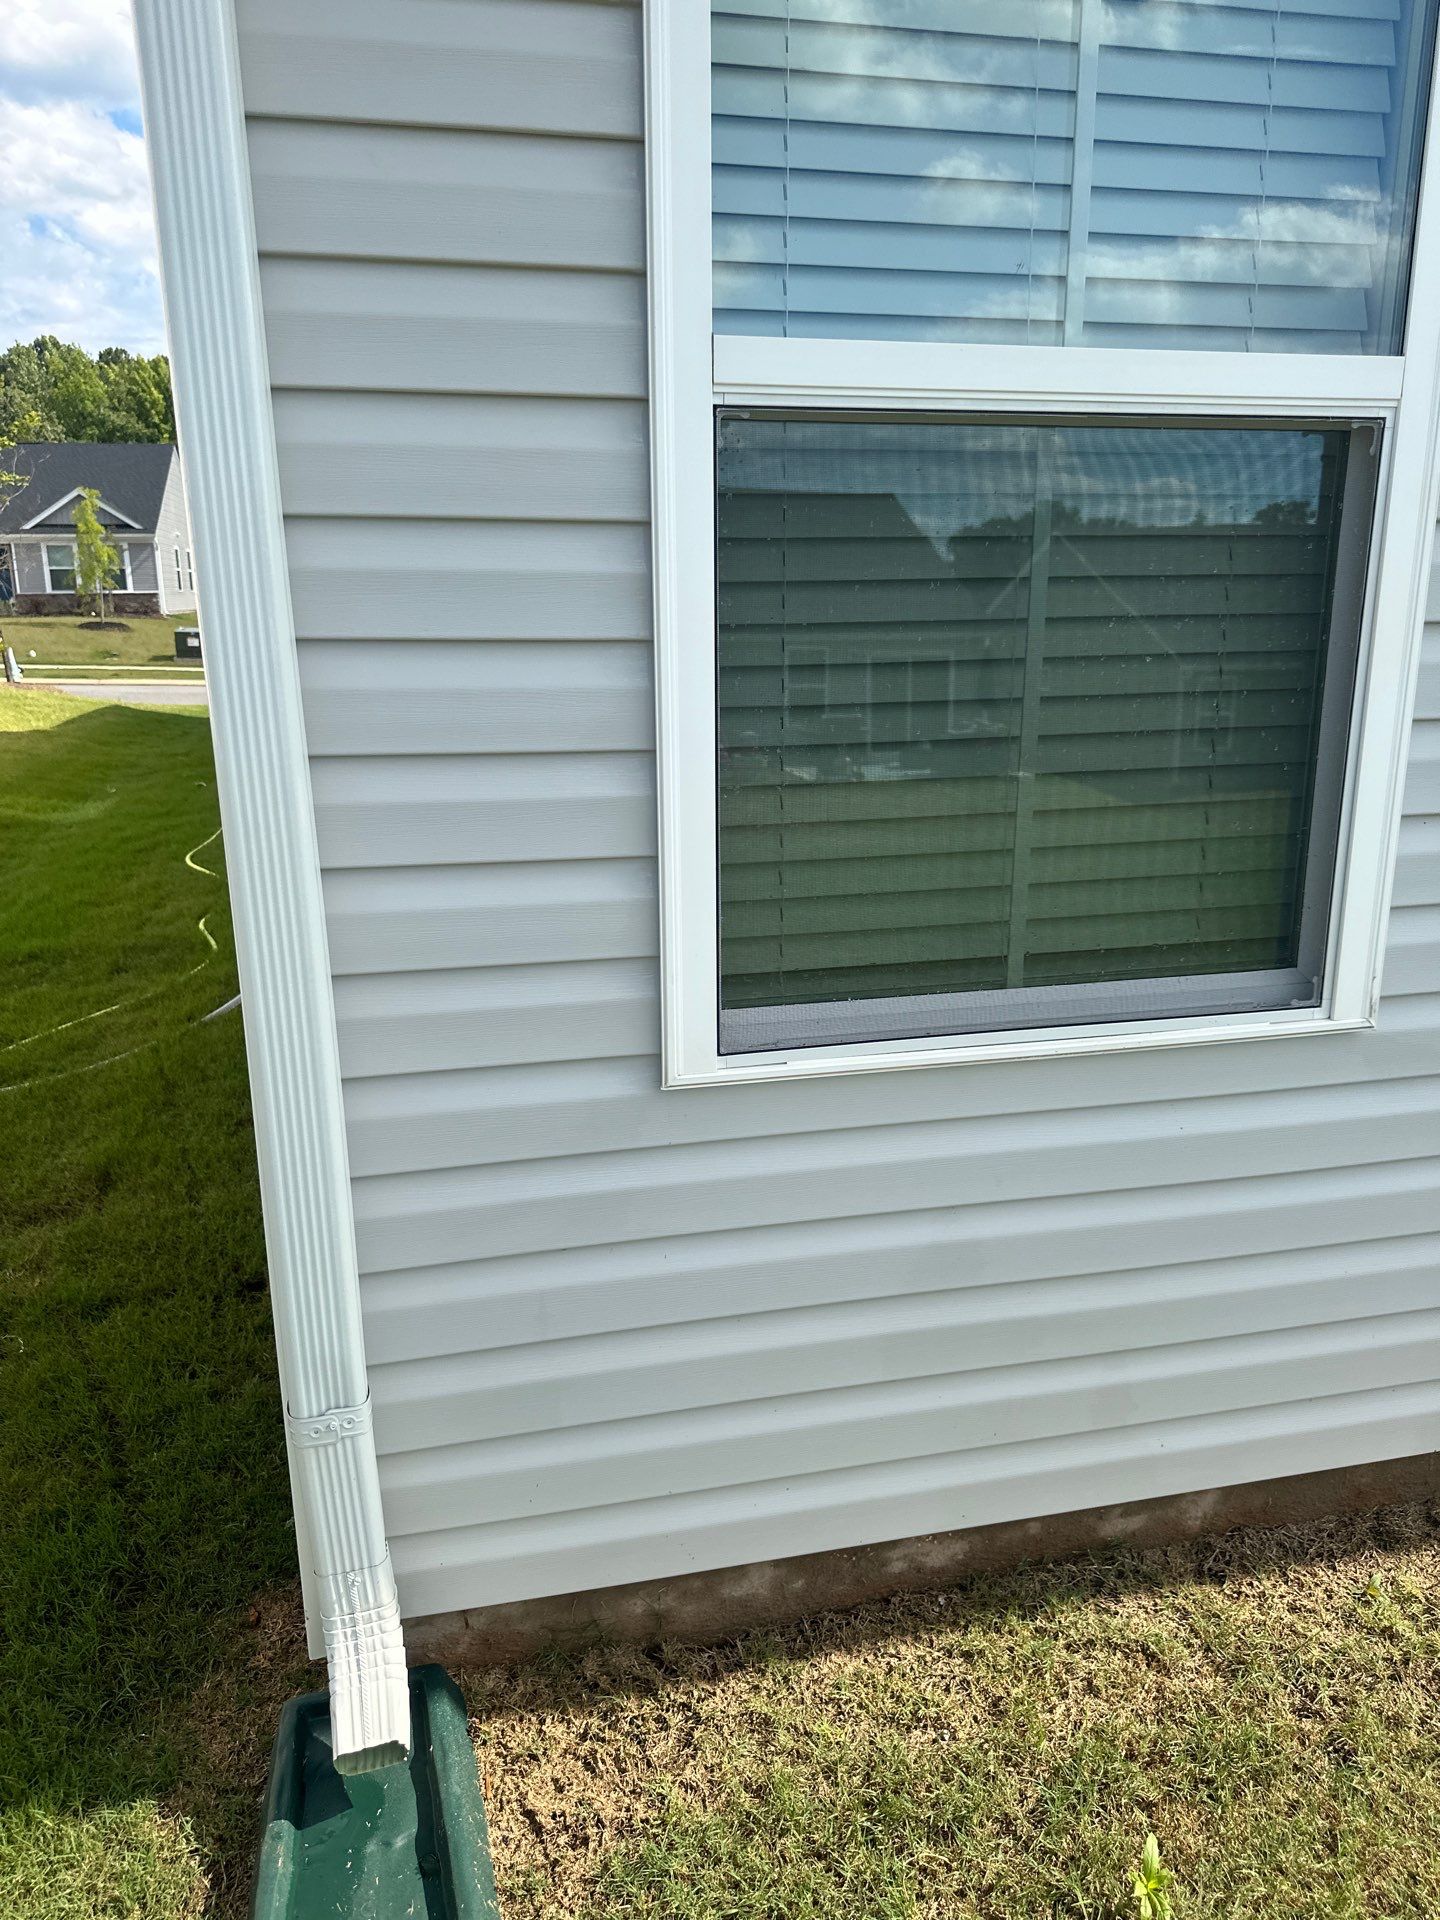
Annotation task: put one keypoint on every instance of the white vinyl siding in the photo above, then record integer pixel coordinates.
(174, 576)
(144, 567)
(615, 1332)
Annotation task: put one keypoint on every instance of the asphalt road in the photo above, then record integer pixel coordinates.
(146, 693)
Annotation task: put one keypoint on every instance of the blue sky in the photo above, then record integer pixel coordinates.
(76, 236)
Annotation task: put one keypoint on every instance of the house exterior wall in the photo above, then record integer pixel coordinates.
(617, 1333)
(31, 589)
(29, 562)
(172, 530)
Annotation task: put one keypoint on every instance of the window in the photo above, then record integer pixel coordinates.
(189, 572)
(1043, 460)
(179, 573)
(1070, 757)
(59, 567)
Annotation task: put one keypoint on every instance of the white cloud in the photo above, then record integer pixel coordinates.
(75, 49)
(71, 166)
(52, 284)
(75, 218)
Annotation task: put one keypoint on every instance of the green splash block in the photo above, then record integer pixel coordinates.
(407, 1842)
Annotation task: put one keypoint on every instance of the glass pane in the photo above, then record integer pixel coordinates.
(1157, 173)
(1006, 707)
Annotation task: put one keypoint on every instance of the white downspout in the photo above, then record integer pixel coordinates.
(195, 127)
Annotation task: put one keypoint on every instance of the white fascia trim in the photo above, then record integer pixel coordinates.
(74, 494)
(196, 134)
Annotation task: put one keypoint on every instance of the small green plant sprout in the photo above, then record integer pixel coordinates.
(1151, 1885)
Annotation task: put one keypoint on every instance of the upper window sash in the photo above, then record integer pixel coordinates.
(1102, 173)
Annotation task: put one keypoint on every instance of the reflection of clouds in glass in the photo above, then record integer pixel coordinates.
(969, 163)
(1284, 33)
(928, 134)
(1350, 220)
(1023, 21)
(953, 479)
(873, 98)
(742, 241)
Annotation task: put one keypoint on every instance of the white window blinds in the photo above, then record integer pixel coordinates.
(1007, 707)
(1171, 173)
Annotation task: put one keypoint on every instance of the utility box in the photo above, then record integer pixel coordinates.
(187, 643)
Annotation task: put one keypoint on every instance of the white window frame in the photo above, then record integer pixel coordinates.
(692, 373)
(45, 546)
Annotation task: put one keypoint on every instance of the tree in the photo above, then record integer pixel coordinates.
(77, 393)
(22, 397)
(138, 405)
(53, 390)
(97, 563)
(10, 481)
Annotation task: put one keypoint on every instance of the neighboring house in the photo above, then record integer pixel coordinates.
(141, 505)
(984, 1070)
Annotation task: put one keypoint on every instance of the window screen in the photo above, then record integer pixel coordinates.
(1028, 722)
(1156, 173)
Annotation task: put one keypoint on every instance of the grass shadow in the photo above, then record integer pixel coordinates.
(143, 1489)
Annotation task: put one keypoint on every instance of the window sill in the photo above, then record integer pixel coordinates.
(891, 1056)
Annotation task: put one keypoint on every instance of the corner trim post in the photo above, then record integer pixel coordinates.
(194, 118)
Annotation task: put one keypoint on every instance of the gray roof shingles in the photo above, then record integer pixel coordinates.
(131, 476)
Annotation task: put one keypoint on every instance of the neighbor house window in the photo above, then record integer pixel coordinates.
(59, 567)
(1046, 430)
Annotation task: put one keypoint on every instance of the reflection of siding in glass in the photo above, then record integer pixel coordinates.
(1160, 173)
(973, 741)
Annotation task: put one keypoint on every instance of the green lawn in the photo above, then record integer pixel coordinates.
(148, 1627)
(52, 638)
(1267, 1704)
